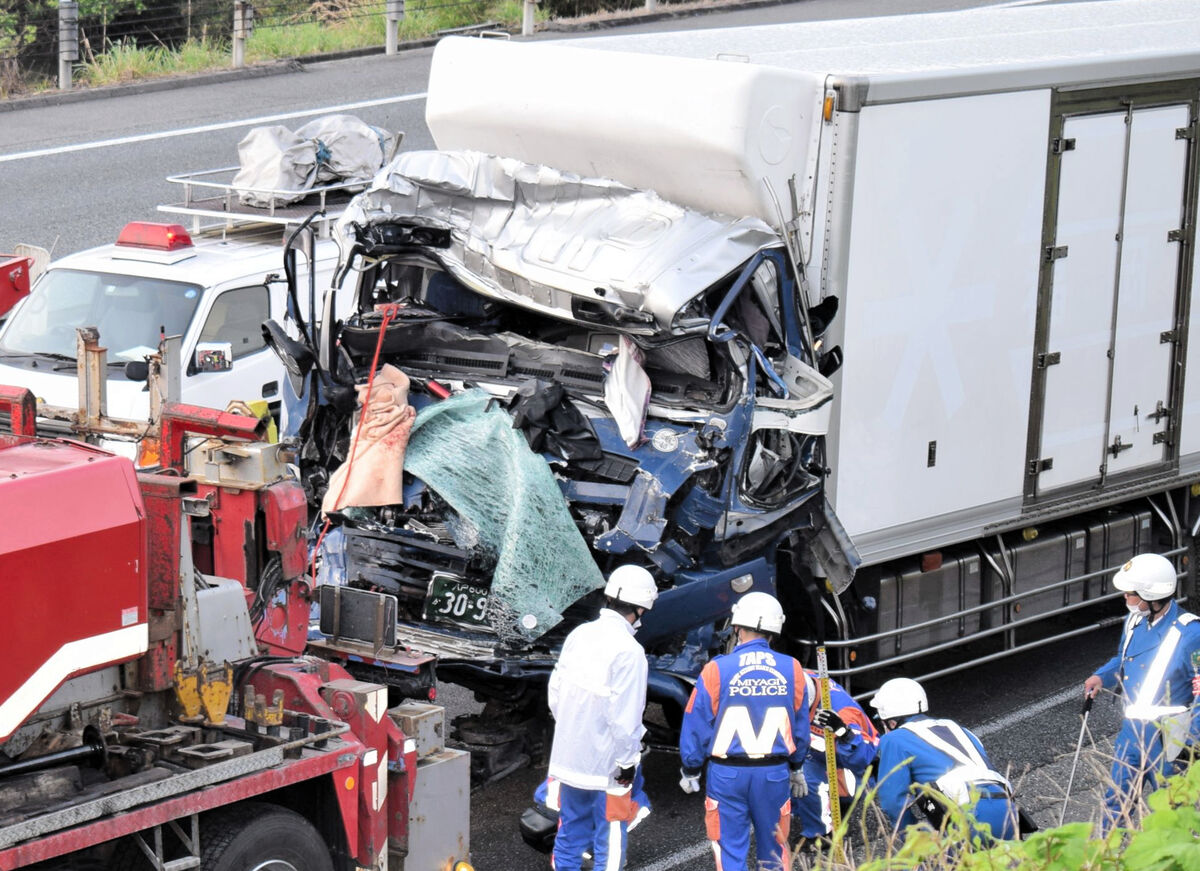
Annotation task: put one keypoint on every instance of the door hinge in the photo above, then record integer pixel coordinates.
(1188, 132)
(1175, 235)
(1117, 446)
(1051, 359)
(1053, 253)
(1162, 438)
(1038, 466)
(1058, 146)
(1168, 336)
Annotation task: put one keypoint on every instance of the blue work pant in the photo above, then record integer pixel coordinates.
(738, 797)
(592, 820)
(1137, 760)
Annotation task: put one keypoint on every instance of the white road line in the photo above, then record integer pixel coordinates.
(1017, 3)
(207, 128)
(683, 857)
(1030, 711)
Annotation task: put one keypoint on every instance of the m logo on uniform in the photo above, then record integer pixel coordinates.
(736, 723)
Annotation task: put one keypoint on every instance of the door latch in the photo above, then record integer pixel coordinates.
(1117, 446)
(1160, 411)
(1036, 467)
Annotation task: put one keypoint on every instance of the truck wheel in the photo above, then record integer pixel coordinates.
(261, 837)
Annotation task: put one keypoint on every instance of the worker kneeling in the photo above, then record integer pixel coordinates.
(925, 762)
(747, 721)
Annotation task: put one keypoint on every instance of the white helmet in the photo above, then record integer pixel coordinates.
(900, 697)
(760, 612)
(1149, 575)
(633, 585)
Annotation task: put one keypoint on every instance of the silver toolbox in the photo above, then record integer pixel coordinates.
(915, 596)
(425, 724)
(439, 818)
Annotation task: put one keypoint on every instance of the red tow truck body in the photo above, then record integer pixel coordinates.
(155, 708)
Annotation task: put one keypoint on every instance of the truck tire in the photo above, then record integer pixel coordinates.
(261, 837)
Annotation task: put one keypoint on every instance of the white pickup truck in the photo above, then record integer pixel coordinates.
(212, 286)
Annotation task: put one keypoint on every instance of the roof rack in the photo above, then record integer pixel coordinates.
(210, 195)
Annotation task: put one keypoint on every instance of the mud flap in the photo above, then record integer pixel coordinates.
(834, 552)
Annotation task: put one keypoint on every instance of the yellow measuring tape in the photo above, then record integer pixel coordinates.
(835, 805)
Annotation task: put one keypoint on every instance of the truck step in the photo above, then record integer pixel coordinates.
(182, 864)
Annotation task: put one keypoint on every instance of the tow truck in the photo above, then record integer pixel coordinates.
(156, 708)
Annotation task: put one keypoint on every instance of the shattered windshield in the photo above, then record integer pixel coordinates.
(131, 313)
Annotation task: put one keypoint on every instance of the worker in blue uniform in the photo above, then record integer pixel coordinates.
(597, 694)
(918, 752)
(856, 741)
(746, 726)
(539, 823)
(1156, 668)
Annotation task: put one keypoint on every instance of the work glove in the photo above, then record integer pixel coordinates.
(624, 776)
(824, 719)
(689, 783)
(799, 784)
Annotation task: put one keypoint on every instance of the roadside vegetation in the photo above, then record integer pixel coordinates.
(1164, 836)
(127, 40)
(324, 28)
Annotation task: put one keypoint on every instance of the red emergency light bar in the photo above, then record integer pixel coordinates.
(161, 237)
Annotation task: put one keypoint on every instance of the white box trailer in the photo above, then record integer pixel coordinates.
(1002, 200)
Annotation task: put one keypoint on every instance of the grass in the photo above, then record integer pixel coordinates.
(127, 62)
(1158, 831)
(325, 28)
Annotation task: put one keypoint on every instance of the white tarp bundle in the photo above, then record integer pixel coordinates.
(278, 166)
(348, 149)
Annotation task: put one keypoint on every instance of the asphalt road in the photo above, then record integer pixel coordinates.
(74, 173)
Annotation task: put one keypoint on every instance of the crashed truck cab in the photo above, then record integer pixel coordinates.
(599, 377)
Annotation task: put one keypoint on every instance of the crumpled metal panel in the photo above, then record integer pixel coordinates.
(537, 237)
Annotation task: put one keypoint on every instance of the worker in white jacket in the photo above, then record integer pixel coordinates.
(597, 695)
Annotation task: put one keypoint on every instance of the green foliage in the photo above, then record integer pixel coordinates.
(357, 25)
(1168, 839)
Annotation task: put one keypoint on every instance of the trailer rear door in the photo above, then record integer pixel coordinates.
(1109, 295)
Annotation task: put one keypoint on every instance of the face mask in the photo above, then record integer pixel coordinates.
(1133, 609)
